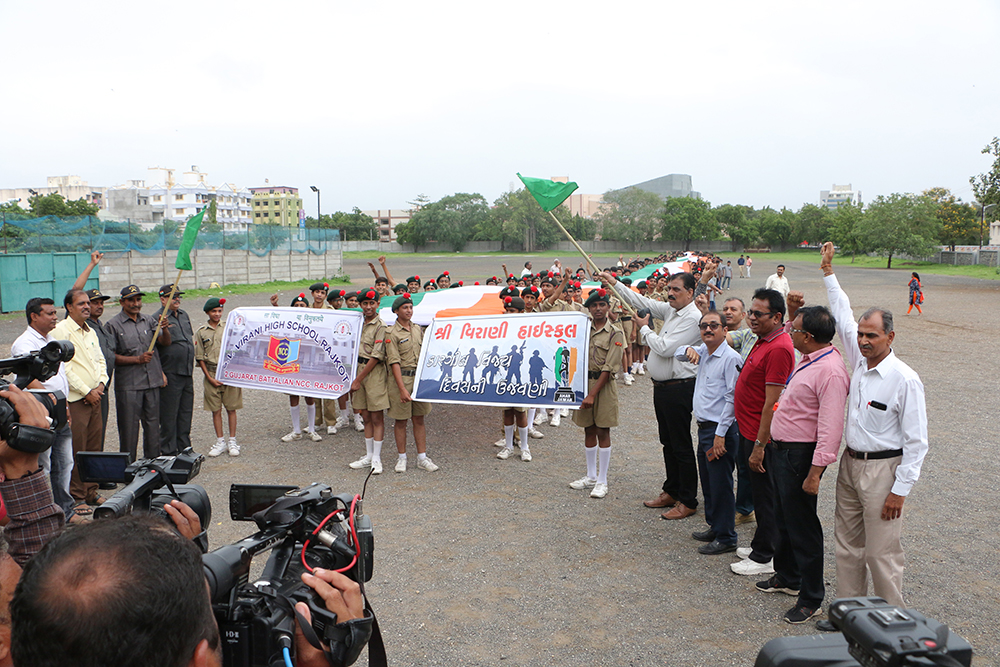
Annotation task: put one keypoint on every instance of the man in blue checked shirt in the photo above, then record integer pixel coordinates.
(718, 437)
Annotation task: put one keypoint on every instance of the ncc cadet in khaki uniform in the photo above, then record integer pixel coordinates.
(320, 290)
(402, 352)
(369, 391)
(515, 414)
(207, 346)
(331, 417)
(530, 296)
(599, 411)
(553, 302)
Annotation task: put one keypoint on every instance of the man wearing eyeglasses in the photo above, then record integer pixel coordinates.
(886, 437)
(765, 373)
(177, 360)
(806, 430)
(673, 388)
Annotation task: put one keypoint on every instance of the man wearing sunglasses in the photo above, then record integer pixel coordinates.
(764, 375)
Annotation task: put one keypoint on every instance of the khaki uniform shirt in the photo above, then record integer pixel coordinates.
(373, 335)
(208, 345)
(558, 307)
(403, 346)
(606, 350)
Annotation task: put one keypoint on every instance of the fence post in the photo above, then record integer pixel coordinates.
(90, 228)
(3, 227)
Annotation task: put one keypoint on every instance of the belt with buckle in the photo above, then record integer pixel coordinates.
(780, 444)
(711, 425)
(872, 456)
(594, 375)
(407, 372)
(668, 383)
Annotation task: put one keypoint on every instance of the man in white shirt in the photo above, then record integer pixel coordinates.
(886, 437)
(673, 387)
(57, 461)
(778, 282)
(526, 271)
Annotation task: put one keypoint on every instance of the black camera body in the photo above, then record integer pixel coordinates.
(874, 634)
(310, 526)
(39, 365)
(145, 481)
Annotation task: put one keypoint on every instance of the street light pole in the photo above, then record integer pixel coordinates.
(982, 223)
(316, 190)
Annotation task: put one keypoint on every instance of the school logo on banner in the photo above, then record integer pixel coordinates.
(531, 359)
(281, 355)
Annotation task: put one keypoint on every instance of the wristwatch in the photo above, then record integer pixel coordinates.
(758, 443)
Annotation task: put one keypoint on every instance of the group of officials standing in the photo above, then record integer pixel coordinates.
(782, 420)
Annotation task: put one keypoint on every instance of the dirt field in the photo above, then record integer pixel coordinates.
(490, 562)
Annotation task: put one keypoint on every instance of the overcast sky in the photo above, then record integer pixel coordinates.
(762, 103)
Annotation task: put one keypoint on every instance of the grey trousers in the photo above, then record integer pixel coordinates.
(134, 406)
(176, 411)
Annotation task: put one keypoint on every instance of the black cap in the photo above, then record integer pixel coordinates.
(596, 296)
(131, 290)
(319, 285)
(165, 290)
(509, 291)
(514, 302)
(367, 295)
(214, 303)
(400, 302)
(95, 294)
(300, 298)
(530, 290)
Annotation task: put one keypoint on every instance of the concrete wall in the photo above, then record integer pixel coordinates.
(224, 267)
(966, 257)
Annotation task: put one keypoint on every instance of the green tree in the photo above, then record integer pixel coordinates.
(631, 215)
(738, 224)
(688, 219)
(55, 204)
(355, 225)
(453, 220)
(845, 229)
(776, 228)
(813, 225)
(901, 224)
(986, 186)
(518, 221)
(959, 220)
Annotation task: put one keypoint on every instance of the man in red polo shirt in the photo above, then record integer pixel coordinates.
(761, 380)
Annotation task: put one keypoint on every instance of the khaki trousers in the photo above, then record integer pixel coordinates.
(865, 543)
(87, 435)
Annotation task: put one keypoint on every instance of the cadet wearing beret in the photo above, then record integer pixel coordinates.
(369, 391)
(599, 411)
(207, 346)
(444, 280)
(402, 350)
(319, 291)
(413, 284)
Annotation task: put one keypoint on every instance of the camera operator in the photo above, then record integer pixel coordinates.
(147, 588)
(58, 461)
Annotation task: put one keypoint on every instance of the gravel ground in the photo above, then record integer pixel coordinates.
(491, 562)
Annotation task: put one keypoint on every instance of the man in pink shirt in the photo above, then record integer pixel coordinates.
(806, 430)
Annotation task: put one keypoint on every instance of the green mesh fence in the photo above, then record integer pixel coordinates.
(89, 233)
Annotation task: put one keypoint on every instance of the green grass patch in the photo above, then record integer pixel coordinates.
(767, 261)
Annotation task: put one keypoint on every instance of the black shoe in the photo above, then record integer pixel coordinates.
(826, 626)
(704, 536)
(715, 548)
(797, 615)
(107, 486)
(774, 585)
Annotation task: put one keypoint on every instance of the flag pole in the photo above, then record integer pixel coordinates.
(590, 262)
(163, 316)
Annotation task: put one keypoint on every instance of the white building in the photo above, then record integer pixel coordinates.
(387, 219)
(839, 194)
(71, 188)
(177, 200)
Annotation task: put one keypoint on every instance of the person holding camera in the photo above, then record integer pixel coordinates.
(148, 589)
(88, 379)
(57, 461)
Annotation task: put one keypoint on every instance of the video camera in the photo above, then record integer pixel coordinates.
(874, 634)
(144, 480)
(304, 529)
(40, 365)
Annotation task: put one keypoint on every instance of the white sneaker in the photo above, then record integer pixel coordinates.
(628, 379)
(600, 490)
(428, 465)
(540, 418)
(376, 466)
(505, 453)
(751, 568)
(535, 433)
(331, 430)
(583, 483)
(343, 421)
(314, 436)
(400, 465)
(502, 442)
(359, 423)
(218, 447)
(525, 455)
(564, 412)
(291, 436)
(234, 449)
(556, 419)
(744, 552)
(363, 462)
(642, 369)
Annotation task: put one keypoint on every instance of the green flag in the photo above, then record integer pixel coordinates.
(187, 242)
(548, 194)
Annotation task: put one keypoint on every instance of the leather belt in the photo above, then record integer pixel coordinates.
(625, 319)
(711, 425)
(594, 375)
(407, 372)
(872, 456)
(668, 383)
(779, 444)
(362, 360)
